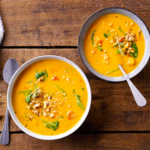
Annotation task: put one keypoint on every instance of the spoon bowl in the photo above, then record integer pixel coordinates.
(9, 69)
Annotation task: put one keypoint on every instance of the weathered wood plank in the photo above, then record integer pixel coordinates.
(113, 107)
(50, 22)
(82, 141)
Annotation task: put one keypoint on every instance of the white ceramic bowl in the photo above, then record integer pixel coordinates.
(12, 113)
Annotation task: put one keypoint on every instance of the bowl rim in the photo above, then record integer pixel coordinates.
(11, 110)
(91, 69)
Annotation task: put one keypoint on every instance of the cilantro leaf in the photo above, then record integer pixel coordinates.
(79, 103)
(51, 125)
(40, 74)
(134, 46)
(105, 35)
(28, 98)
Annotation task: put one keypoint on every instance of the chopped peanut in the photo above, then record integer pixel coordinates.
(93, 52)
(110, 24)
(67, 79)
(28, 107)
(132, 23)
(37, 105)
(47, 110)
(44, 113)
(41, 78)
(30, 117)
(112, 30)
(51, 115)
(112, 41)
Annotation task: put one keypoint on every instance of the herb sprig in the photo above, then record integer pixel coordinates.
(92, 36)
(105, 35)
(60, 89)
(26, 93)
(40, 74)
(79, 103)
(108, 72)
(51, 125)
(121, 30)
(134, 46)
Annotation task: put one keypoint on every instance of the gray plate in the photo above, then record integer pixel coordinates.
(134, 17)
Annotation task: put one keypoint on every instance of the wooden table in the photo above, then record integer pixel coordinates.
(51, 27)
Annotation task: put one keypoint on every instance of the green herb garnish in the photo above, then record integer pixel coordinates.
(121, 30)
(73, 91)
(26, 93)
(105, 35)
(79, 103)
(34, 95)
(51, 125)
(46, 74)
(121, 44)
(134, 46)
(117, 51)
(25, 114)
(120, 49)
(100, 48)
(30, 82)
(108, 33)
(40, 74)
(92, 37)
(121, 52)
(28, 98)
(115, 45)
(112, 71)
(35, 85)
(60, 88)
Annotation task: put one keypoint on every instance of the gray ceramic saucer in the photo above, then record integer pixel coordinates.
(133, 16)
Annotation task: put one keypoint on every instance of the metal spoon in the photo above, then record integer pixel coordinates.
(9, 69)
(139, 98)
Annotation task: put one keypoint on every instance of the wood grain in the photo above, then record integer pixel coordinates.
(82, 141)
(113, 107)
(56, 22)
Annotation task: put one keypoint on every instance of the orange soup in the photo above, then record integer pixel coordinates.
(49, 97)
(113, 40)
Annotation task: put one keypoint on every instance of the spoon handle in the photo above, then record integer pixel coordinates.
(5, 132)
(139, 98)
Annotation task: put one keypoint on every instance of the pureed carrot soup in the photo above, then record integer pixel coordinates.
(49, 97)
(111, 40)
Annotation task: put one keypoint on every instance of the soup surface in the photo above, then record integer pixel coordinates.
(111, 40)
(49, 97)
